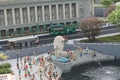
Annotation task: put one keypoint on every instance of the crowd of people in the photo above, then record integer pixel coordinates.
(26, 66)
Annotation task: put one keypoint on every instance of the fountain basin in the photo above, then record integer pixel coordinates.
(85, 59)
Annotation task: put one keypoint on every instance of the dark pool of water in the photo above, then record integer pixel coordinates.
(108, 70)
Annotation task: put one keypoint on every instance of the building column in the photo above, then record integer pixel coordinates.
(70, 10)
(63, 11)
(0, 33)
(5, 14)
(92, 8)
(43, 13)
(50, 12)
(13, 14)
(36, 17)
(7, 32)
(57, 11)
(77, 9)
(28, 10)
(21, 16)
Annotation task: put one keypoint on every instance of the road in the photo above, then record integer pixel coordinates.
(45, 48)
(49, 38)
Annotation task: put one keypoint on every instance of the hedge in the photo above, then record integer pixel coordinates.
(5, 65)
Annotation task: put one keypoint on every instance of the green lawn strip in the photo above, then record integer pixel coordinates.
(115, 38)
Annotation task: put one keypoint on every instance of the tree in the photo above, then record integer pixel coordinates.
(114, 1)
(108, 2)
(109, 10)
(114, 17)
(90, 27)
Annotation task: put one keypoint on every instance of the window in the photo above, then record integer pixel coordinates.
(39, 13)
(81, 11)
(32, 14)
(60, 11)
(9, 16)
(73, 10)
(25, 15)
(2, 18)
(17, 16)
(46, 9)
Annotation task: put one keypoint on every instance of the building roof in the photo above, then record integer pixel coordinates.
(11, 2)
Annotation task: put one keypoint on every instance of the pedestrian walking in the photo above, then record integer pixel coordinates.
(24, 60)
(29, 73)
(33, 76)
(59, 78)
(26, 66)
(33, 61)
(50, 78)
(30, 65)
(19, 72)
(49, 73)
(28, 58)
(17, 65)
(25, 74)
(56, 75)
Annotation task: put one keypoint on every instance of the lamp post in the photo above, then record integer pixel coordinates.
(17, 59)
(17, 56)
(40, 73)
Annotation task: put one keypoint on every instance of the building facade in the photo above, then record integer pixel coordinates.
(24, 17)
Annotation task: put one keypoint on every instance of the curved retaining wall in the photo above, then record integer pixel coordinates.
(85, 59)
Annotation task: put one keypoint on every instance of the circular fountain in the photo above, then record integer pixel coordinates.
(83, 64)
(104, 73)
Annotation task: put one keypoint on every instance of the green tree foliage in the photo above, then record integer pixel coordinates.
(114, 1)
(90, 27)
(114, 17)
(108, 2)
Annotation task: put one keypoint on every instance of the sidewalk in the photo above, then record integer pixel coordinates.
(25, 37)
(112, 34)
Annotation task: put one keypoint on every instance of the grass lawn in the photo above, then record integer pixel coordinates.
(115, 38)
(110, 39)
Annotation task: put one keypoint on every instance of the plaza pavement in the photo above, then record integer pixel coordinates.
(34, 70)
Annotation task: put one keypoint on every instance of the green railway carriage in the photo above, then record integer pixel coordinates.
(59, 29)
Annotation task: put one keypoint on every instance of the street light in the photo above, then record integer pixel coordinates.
(17, 56)
(17, 59)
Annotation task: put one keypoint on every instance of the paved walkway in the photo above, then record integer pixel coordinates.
(112, 34)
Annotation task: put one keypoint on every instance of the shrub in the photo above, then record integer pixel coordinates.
(6, 65)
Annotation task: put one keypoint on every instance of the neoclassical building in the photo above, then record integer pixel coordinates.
(23, 17)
